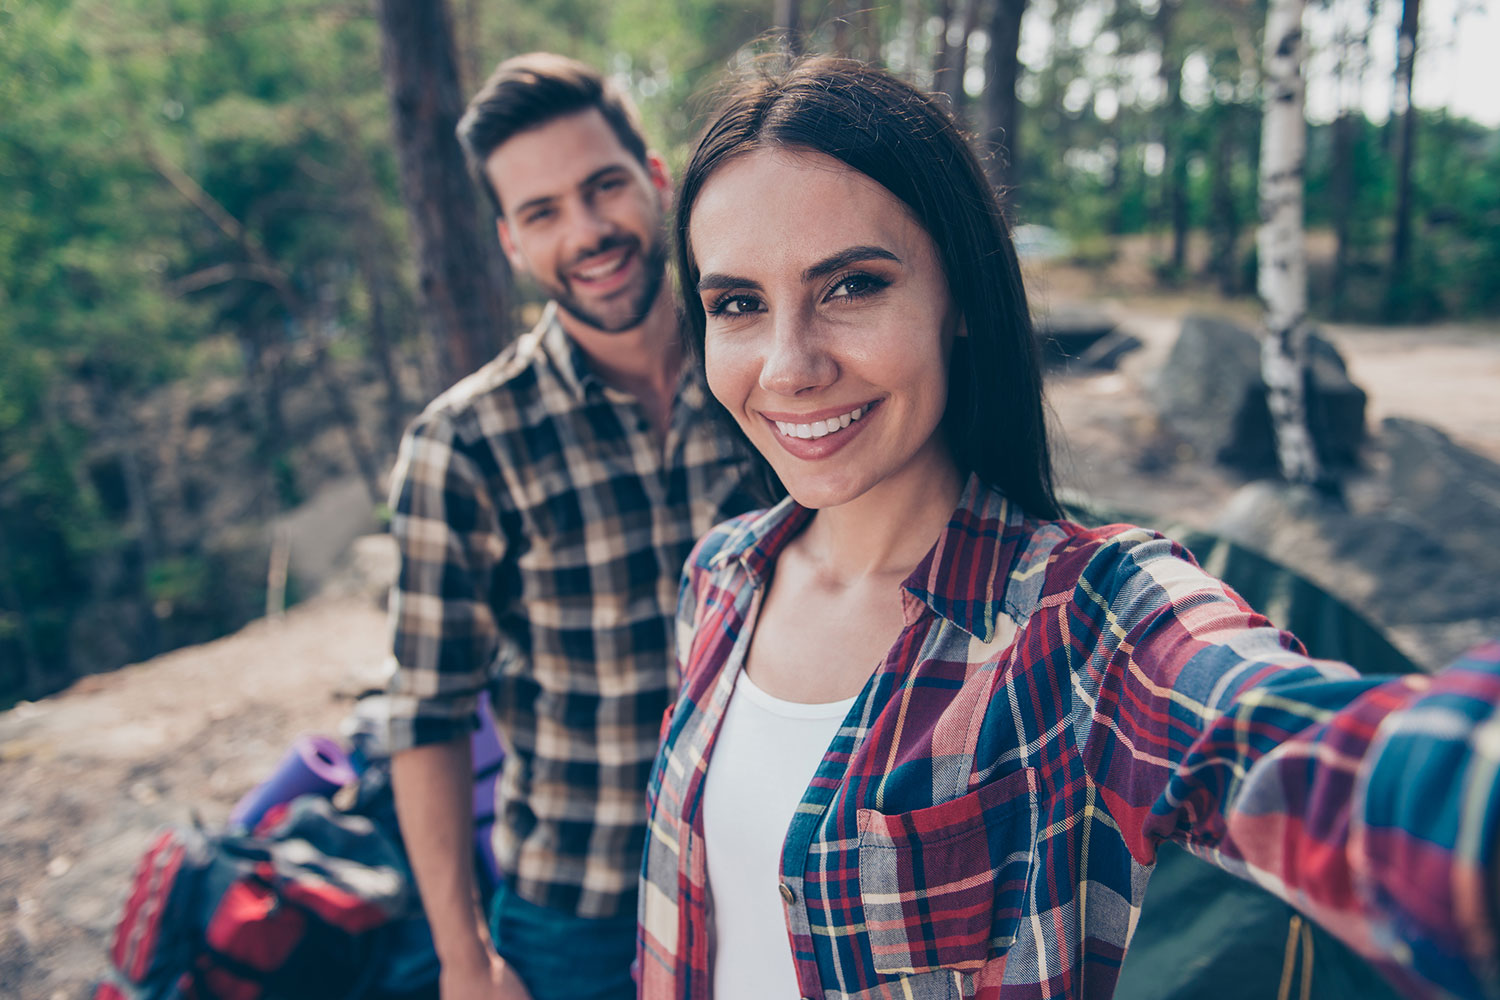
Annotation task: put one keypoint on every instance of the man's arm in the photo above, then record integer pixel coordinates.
(433, 785)
(444, 636)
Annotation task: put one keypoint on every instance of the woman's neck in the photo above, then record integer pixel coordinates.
(886, 531)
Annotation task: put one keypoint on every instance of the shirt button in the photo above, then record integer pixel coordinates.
(787, 894)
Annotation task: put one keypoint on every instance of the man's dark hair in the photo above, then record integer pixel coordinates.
(528, 91)
(906, 141)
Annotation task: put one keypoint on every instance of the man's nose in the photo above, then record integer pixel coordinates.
(797, 358)
(587, 228)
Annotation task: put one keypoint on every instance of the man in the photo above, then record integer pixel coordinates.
(543, 508)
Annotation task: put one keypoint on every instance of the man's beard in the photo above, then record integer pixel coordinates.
(654, 270)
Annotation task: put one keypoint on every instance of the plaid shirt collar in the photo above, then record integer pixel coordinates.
(571, 363)
(962, 578)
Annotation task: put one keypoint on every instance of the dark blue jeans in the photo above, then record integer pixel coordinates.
(560, 956)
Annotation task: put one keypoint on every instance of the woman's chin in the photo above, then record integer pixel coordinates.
(819, 493)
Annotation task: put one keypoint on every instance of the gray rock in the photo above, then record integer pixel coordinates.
(1211, 394)
(1453, 491)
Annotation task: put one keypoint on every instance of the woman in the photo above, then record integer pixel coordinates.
(929, 735)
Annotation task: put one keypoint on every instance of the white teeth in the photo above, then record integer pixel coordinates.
(820, 428)
(598, 271)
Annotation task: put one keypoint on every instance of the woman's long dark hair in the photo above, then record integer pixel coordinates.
(908, 143)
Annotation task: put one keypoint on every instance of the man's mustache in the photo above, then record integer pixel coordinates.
(605, 246)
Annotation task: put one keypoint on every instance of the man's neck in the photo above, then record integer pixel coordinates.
(644, 361)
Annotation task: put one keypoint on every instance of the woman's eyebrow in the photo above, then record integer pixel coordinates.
(828, 265)
(851, 255)
(713, 282)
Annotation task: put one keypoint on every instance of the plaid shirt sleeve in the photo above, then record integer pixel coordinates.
(1368, 803)
(444, 635)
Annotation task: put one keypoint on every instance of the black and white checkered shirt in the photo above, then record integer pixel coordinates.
(542, 532)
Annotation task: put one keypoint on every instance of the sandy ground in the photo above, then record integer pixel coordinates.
(90, 773)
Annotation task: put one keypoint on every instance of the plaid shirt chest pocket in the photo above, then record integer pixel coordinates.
(943, 887)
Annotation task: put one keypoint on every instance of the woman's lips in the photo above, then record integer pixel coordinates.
(817, 435)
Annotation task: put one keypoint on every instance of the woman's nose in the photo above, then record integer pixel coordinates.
(796, 360)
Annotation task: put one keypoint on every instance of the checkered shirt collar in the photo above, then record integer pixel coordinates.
(962, 578)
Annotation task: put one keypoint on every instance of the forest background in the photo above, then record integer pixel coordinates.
(223, 289)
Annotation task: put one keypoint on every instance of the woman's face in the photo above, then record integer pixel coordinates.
(829, 324)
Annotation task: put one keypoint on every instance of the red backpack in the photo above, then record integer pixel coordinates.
(303, 908)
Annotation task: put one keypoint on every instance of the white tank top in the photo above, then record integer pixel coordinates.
(765, 757)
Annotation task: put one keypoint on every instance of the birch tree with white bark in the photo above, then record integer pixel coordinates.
(1282, 278)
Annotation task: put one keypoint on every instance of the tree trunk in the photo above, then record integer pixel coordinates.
(34, 672)
(942, 56)
(843, 35)
(951, 61)
(383, 347)
(1404, 123)
(1282, 250)
(868, 44)
(911, 20)
(1353, 61)
(148, 537)
(1341, 180)
(461, 276)
(1174, 144)
(1225, 227)
(1002, 67)
(788, 16)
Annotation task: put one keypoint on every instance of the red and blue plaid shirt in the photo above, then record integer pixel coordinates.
(1060, 701)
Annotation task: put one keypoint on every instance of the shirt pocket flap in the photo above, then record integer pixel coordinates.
(942, 887)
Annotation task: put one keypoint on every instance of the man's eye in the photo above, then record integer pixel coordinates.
(539, 215)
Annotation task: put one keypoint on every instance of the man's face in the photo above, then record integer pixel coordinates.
(584, 218)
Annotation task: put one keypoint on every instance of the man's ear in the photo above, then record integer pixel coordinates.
(508, 244)
(661, 178)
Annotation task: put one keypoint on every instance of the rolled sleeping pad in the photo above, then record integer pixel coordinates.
(489, 757)
(312, 765)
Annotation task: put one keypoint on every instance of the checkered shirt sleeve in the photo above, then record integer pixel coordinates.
(444, 635)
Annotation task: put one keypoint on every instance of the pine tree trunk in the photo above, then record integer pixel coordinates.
(1175, 173)
(868, 43)
(35, 682)
(1342, 183)
(1404, 122)
(843, 34)
(1353, 60)
(1282, 250)
(954, 62)
(1225, 225)
(789, 20)
(1002, 68)
(462, 277)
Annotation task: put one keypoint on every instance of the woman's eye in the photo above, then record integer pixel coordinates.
(735, 305)
(856, 286)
